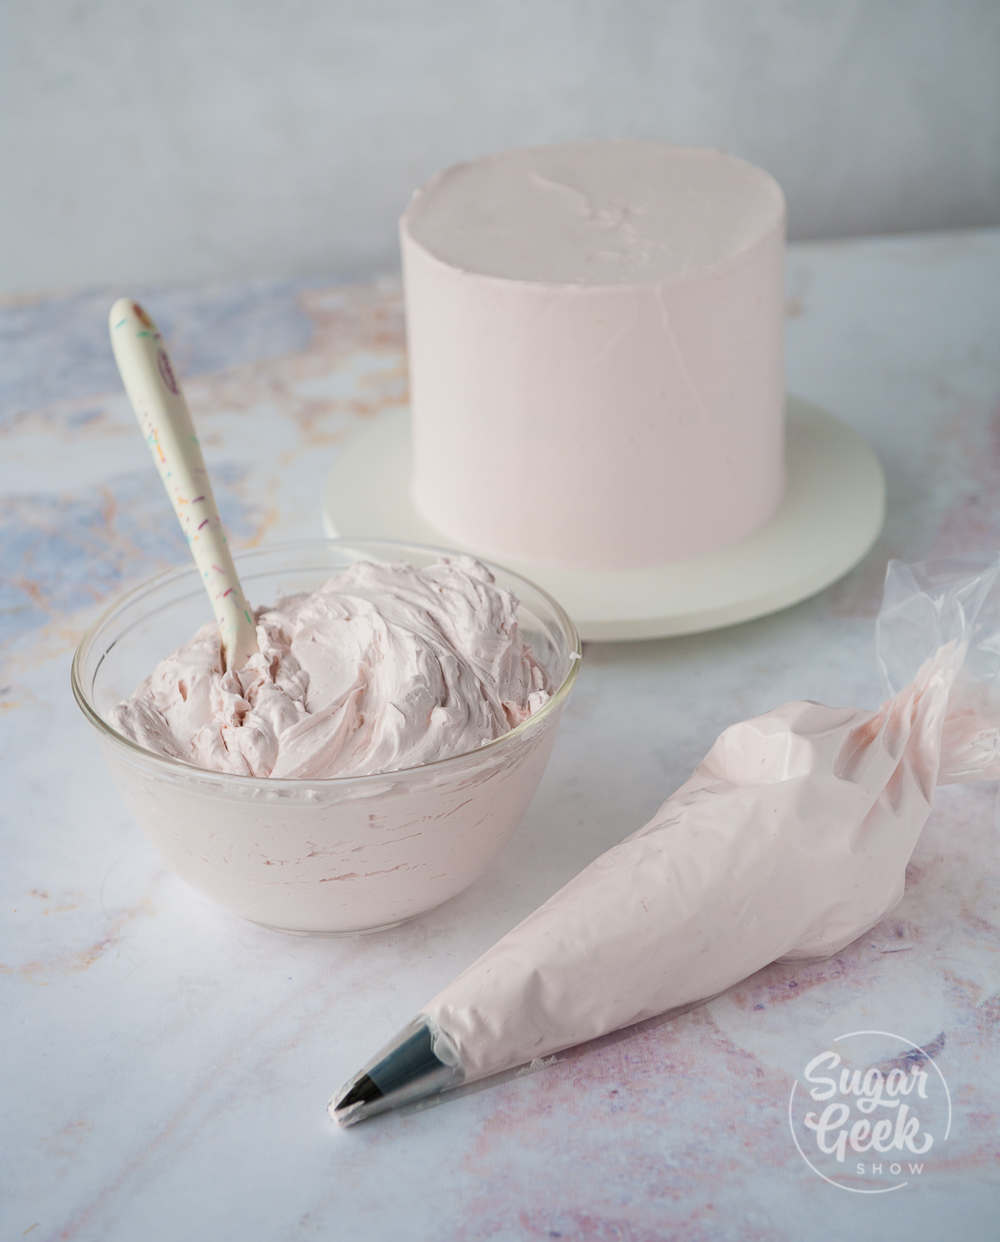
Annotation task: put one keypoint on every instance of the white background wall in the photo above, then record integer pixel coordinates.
(181, 140)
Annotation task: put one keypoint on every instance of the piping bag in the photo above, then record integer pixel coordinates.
(789, 840)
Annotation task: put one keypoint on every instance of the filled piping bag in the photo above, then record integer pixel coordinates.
(790, 840)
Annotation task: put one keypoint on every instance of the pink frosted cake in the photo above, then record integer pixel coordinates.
(595, 336)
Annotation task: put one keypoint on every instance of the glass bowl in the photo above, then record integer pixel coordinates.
(345, 854)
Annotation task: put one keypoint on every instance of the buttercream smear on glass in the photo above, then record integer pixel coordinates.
(446, 647)
(386, 666)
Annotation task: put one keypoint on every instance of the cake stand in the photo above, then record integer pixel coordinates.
(832, 513)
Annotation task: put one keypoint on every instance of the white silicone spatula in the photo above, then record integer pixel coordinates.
(165, 421)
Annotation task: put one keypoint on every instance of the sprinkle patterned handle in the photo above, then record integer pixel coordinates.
(165, 421)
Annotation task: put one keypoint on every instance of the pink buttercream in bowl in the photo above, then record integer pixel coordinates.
(368, 763)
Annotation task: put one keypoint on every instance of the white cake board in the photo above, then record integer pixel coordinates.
(831, 515)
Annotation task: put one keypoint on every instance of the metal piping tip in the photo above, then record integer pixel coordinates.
(406, 1070)
(361, 1091)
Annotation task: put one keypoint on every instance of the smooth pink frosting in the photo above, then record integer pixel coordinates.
(384, 667)
(608, 318)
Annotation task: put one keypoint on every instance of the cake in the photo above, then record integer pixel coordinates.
(596, 352)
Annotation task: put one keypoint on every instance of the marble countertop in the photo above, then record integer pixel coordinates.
(167, 1066)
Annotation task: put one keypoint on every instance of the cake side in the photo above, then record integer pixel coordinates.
(600, 425)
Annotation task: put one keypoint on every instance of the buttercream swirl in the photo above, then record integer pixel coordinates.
(386, 666)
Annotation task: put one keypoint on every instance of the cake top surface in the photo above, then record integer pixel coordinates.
(595, 213)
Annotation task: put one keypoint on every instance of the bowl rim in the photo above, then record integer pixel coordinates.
(193, 771)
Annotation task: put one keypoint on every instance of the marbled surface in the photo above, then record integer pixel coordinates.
(167, 1067)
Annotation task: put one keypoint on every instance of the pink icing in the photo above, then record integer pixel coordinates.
(789, 840)
(384, 667)
(608, 317)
